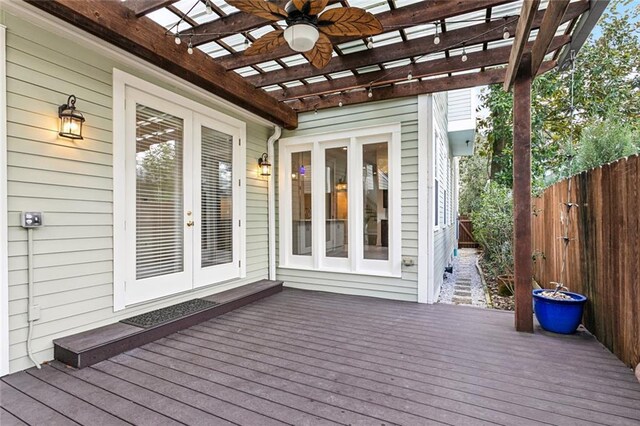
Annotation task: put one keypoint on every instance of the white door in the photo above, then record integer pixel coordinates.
(183, 191)
(216, 177)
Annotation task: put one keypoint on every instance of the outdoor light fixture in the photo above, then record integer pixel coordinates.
(70, 119)
(264, 165)
(341, 185)
(301, 37)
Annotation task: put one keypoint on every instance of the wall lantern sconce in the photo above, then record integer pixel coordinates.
(70, 119)
(341, 186)
(264, 165)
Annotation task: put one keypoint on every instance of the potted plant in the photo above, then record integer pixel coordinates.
(559, 310)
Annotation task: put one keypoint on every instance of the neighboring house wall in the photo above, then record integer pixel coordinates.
(444, 233)
(71, 182)
(403, 111)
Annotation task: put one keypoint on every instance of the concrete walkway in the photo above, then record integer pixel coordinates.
(464, 286)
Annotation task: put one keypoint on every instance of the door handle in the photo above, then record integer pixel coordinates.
(190, 223)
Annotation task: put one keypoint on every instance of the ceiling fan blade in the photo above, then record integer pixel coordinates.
(315, 6)
(261, 8)
(267, 43)
(320, 55)
(349, 21)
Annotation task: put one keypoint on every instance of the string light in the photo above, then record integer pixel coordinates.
(370, 43)
(190, 48)
(340, 104)
(464, 54)
(436, 38)
(409, 76)
(315, 110)
(370, 93)
(177, 39)
(207, 8)
(505, 32)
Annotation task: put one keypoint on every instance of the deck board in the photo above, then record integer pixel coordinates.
(311, 358)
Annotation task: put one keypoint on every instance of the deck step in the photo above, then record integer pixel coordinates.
(92, 346)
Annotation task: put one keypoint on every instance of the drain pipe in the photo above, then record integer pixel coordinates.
(271, 201)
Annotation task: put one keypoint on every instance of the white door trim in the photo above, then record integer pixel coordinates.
(121, 81)
(4, 237)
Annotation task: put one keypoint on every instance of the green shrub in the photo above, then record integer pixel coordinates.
(474, 174)
(493, 229)
(604, 142)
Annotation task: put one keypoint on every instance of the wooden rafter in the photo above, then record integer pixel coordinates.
(479, 59)
(550, 23)
(484, 32)
(462, 81)
(114, 22)
(142, 7)
(527, 15)
(392, 20)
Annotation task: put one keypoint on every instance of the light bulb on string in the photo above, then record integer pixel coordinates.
(315, 111)
(370, 43)
(409, 76)
(505, 32)
(340, 104)
(436, 38)
(464, 54)
(208, 9)
(370, 93)
(177, 39)
(190, 48)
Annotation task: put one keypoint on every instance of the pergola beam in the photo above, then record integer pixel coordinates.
(114, 23)
(492, 57)
(413, 88)
(527, 15)
(550, 23)
(484, 32)
(392, 20)
(142, 7)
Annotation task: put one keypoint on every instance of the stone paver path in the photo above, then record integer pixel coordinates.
(464, 286)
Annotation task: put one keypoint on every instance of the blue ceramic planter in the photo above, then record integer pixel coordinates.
(559, 316)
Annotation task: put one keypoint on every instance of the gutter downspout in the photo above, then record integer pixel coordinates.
(271, 201)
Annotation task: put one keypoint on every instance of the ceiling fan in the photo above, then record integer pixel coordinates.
(308, 27)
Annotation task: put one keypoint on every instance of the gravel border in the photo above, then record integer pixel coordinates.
(464, 268)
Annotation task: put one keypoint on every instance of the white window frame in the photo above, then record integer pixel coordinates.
(122, 81)
(354, 139)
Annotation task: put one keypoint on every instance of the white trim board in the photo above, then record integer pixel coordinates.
(426, 199)
(59, 27)
(4, 238)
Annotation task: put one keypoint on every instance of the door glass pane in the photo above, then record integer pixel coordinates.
(217, 198)
(301, 203)
(336, 205)
(159, 193)
(375, 179)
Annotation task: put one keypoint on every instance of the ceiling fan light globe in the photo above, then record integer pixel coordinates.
(301, 37)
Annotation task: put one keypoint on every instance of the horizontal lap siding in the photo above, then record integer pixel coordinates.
(444, 236)
(402, 111)
(71, 182)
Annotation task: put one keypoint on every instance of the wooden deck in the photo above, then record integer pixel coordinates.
(317, 358)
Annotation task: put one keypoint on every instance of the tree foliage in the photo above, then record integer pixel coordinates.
(606, 88)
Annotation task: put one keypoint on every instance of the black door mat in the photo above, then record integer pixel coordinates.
(170, 313)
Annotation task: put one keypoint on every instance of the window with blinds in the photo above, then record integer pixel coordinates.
(217, 198)
(159, 193)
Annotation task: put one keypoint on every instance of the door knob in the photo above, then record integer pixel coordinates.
(190, 223)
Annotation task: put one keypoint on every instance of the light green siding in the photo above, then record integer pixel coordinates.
(71, 182)
(404, 111)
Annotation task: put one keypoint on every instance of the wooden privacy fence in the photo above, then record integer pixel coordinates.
(603, 259)
(465, 233)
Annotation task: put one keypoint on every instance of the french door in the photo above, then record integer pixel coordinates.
(182, 213)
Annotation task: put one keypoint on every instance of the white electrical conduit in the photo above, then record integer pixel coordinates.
(30, 290)
(271, 201)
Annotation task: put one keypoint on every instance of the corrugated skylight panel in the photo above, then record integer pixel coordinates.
(420, 31)
(269, 66)
(294, 60)
(402, 3)
(387, 38)
(164, 17)
(190, 6)
(395, 64)
(213, 49)
(376, 6)
(317, 79)
(364, 70)
(508, 9)
(341, 74)
(272, 88)
(294, 83)
(236, 42)
(246, 71)
(226, 8)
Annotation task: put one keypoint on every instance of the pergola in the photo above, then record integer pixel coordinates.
(427, 46)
